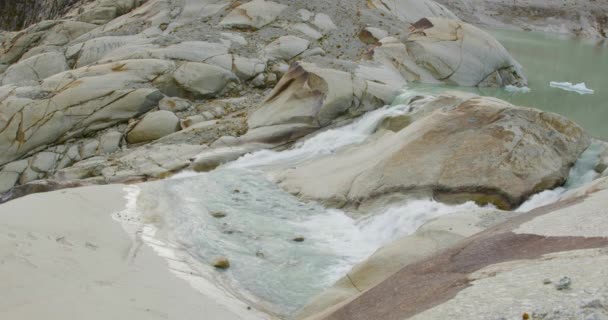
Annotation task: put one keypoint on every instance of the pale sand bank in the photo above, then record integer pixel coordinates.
(62, 256)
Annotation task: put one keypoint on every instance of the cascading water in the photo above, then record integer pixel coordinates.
(268, 268)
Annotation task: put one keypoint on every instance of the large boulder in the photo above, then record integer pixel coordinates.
(314, 95)
(153, 126)
(478, 148)
(439, 50)
(204, 80)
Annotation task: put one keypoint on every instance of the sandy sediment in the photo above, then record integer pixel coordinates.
(63, 256)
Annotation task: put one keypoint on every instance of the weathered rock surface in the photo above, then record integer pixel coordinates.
(36, 68)
(452, 52)
(108, 62)
(479, 149)
(478, 277)
(431, 238)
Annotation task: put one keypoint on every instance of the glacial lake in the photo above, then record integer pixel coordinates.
(550, 57)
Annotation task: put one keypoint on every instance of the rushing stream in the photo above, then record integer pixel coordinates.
(279, 275)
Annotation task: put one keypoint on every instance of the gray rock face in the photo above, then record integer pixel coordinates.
(17, 15)
(110, 61)
(450, 51)
(36, 68)
(153, 126)
(479, 149)
(585, 18)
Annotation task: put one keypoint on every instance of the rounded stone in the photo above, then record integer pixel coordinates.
(153, 126)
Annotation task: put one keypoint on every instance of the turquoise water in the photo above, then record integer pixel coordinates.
(546, 58)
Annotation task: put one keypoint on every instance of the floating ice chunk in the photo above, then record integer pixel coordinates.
(514, 89)
(579, 88)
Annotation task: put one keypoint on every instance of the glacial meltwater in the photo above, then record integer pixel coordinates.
(283, 251)
(547, 58)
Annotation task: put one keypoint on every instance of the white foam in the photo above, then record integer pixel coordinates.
(356, 240)
(326, 142)
(580, 88)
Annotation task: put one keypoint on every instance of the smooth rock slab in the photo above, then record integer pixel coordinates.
(35, 68)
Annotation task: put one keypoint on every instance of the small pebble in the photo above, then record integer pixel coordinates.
(221, 263)
(218, 214)
(298, 239)
(563, 284)
(547, 281)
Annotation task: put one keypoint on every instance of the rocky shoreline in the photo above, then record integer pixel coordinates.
(127, 92)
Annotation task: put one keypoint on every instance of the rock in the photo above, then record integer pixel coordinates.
(547, 281)
(106, 10)
(312, 96)
(412, 10)
(371, 35)
(221, 263)
(93, 50)
(430, 238)
(39, 36)
(10, 173)
(218, 214)
(307, 30)
(324, 22)
(306, 94)
(153, 126)
(89, 148)
(461, 54)
(483, 276)
(43, 161)
(456, 151)
(84, 101)
(110, 142)
(174, 104)
(563, 283)
(298, 239)
(211, 159)
(286, 48)
(246, 68)
(254, 14)
(35, 68)
(204, 80)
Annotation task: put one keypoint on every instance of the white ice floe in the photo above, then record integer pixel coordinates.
(579, 88)
(514, 89)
